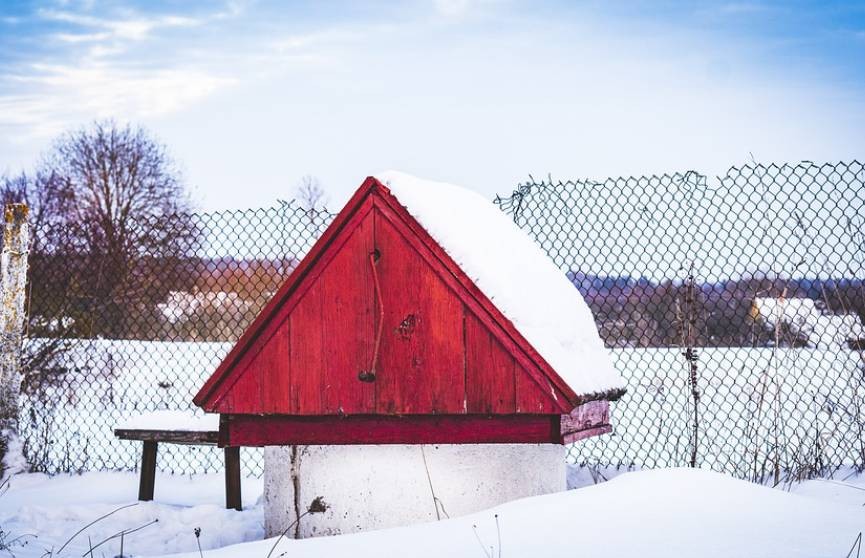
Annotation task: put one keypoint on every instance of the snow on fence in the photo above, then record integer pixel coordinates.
(698, 286)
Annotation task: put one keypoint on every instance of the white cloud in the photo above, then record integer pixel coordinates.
(82, 37)
(318, 39)
(87, 79)
(56, 96)
(459, 9)
(452, 8)
(131, 28)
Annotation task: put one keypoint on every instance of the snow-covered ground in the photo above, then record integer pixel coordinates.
(669, 513)
(44, 512)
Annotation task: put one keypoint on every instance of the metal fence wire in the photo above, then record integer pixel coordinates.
(733, 307)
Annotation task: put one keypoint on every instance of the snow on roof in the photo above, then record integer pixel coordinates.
(171, 420)
(519, 278)
(804, 317)
(799, 311)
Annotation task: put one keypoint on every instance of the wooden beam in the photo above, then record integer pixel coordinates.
(147, 479)
(257, 430)
(232, 479)
(572, 437)
(587, 420)
(170, 436)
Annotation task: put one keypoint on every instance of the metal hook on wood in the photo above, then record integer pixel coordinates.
(369, 375)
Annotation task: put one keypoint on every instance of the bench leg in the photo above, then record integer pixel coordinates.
(147, 480)
(232, 479)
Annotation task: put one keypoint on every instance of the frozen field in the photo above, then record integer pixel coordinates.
(98, 384)
(757, 407)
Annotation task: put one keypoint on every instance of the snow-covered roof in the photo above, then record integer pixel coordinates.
(516, 275)
(791, 310)
(804, 317)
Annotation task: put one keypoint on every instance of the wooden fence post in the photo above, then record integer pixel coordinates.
(13, 281)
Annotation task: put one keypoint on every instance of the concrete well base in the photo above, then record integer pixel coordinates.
(373, 487)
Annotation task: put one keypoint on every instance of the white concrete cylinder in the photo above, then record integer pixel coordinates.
(374, 487)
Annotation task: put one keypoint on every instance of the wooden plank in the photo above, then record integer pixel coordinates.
(306, 347)
(147, 476)
(348, 321)
(245, 393)
(586, 416)
(275, 372)
(534, 396)
(490, 384)
(232, 479)
(587, 420)
(422, 352)
(170, 436)
(250, 430)
(572, 437)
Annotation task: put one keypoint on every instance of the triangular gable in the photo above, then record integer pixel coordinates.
(248, 381)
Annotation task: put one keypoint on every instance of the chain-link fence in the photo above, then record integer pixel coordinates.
(111, 337)
(733, 307)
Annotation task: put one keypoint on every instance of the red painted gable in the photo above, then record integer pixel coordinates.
(376, 291)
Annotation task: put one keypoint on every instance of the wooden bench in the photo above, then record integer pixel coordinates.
(139, 430)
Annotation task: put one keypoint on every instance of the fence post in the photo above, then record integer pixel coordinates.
(13, 281)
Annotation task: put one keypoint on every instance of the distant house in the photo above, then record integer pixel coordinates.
(808, 322)
(180, 306)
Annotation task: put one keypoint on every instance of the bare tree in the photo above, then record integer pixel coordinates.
(310, 193)
(110, 217)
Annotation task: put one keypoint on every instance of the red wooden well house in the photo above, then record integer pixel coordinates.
(423, 315)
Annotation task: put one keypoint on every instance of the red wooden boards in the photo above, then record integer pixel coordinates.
(422, 353)
(254, 430)
(445, 349)
(590, 419)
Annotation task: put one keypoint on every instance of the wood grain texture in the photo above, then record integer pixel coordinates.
(275, 371)
(306, 350)
(572, 437)
(209, 437)
(422, 353)
(348, 323)
(490, 370)
(586, 416)
(245, 393)
(535, 396)
(250, 430)
(587, 420)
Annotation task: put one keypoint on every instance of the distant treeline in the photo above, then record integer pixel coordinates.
(213, 299)
(161, 298)
(638, 312)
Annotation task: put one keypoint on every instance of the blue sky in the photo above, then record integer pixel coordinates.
(250, 95)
